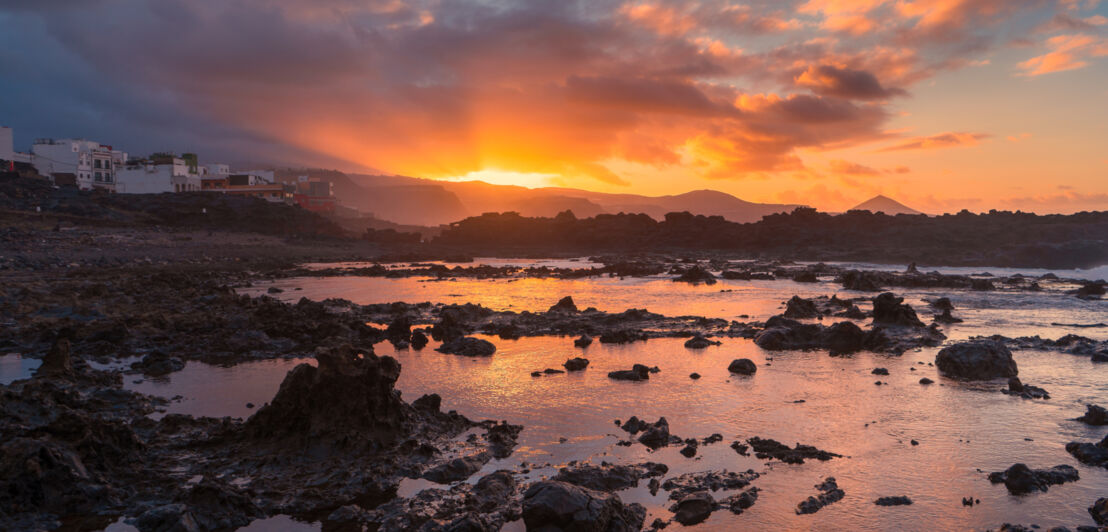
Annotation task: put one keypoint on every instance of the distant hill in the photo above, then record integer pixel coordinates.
(479, 197)
(884, 204)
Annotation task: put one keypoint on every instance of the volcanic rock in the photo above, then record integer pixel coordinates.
(977, 360)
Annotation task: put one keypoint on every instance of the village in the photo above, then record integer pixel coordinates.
(90, 165)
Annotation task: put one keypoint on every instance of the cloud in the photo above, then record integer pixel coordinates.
(943, 140)
(442, 89)
(1067, 52)
(830, 80)
(840, 166)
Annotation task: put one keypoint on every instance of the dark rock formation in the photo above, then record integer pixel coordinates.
(693, 508)
(1094, 415)
(348, 400)
(698, 341)
(888, 309)
(977, 360)
(707, 481)
(1095, 454)
(608, 477)
(468, 347)
(583, 341)
(1099, 511)
(157, 364)
(899, 500)
(800, 308)
(564, 305)
(768, 448)
(553, 505)
(696, 275)
(457, 469)
(742, 366)
(1021, 479)
(829, 493)
(57, 362)
(638, 372)
(655, 435)
(576, 364)
(1026, 391)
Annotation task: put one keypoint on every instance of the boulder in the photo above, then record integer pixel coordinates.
(799, 308)
(637, 373)
(696, 275)
(1020, 479)
(888, 309)
(554, 505)
(829, 493)
(742, 366)
(1099, 511)
(1094, 415)
(899, 500)
(655, 435)
(977, 360)
(57, 362)
(700, 342)
(576, 364)
(468, 347)
(565, 305)
(583, 341)
(694, 508)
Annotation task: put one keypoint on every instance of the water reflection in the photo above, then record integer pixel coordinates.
(961, 428)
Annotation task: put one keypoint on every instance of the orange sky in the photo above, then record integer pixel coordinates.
(942, 104)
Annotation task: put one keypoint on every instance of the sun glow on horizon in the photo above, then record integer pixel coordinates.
(507, 177)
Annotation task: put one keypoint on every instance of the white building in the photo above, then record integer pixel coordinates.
(92, 163)
(144, 178)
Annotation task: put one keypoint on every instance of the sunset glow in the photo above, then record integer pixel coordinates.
(943, 104)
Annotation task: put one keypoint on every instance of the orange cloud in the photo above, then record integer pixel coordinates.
(1067, 52)
(943, 140)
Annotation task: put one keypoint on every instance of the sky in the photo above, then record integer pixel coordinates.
(941, 104)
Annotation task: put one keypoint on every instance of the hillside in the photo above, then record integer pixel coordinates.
(478, 197)
(886, 205)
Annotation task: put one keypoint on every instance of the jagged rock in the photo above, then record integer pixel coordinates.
(1021, 479)
(1099, 511)
(430, 402)
(621, 336)
(888, 309)
(553, 505)
(1094, 415)
(700, 342)
(457, 469)
(609, 477)
(57, 362)
(576, 364)
(693, 508)
(1027, 391)
(696, 275)
(564, 305)
(468, 347)
(742, 366)
(741, 502)
(637, 373)
(799, 308)
(1090, 453)
(683, 485)
(769, 448)
(349, 399)
(860, 280)
(655, 435)
(502, 438)
(829, 493)
(977, 360)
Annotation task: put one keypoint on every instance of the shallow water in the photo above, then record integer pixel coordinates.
(964, 430)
